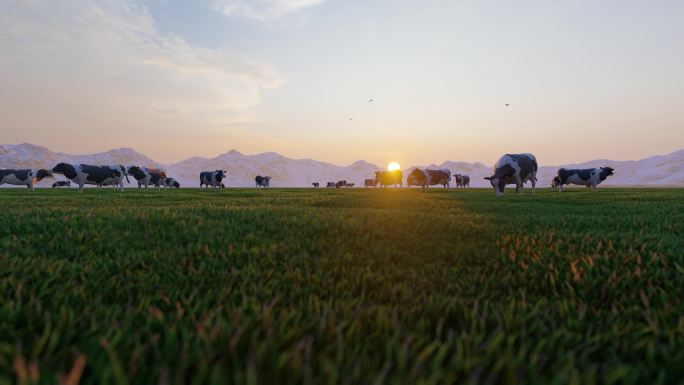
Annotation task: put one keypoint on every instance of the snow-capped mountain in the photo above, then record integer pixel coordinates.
(662, 170)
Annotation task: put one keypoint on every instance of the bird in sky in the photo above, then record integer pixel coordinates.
(371, 101)
(507, 104)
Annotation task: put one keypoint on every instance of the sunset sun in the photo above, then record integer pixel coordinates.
(393, 166)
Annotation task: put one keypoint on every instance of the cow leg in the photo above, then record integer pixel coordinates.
(593, 188)
(80, 187)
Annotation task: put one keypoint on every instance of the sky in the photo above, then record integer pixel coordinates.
(451, 79)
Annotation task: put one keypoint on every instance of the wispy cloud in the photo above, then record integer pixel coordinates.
(267, 11)
(112, 50)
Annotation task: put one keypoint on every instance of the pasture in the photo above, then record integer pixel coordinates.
(349, 286)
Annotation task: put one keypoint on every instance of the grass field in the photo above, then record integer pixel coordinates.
(342, 286)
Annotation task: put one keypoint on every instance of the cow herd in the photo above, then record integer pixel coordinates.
(510, 169)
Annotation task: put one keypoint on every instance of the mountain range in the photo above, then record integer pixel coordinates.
(661, 170)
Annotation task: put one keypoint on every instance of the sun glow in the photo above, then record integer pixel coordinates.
(393, 166)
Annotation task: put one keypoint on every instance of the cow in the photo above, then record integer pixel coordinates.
(331, 185)
(417, 177)
(514, 169)
(212, 178)
(389, 178)
(341, 183)
(555, 182)
(437, 177)
(171, 182)
(24, 177)
(590, 177)
(350, 185)
(83, 174)
(462, 181)
(370, 182)
(315, 184)
(148, 176)
(262, 181)
(61, 183)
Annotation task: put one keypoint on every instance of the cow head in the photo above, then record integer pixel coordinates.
(43, 173)
(498, 183)
(606, 172)
(555, 182)
(66, 169)
(220, 174)
(267, 179)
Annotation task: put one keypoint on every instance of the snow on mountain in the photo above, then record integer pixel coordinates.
(662, 170)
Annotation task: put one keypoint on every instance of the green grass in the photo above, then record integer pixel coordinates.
(342, 286)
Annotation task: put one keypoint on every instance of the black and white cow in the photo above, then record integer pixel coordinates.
(590, 177)
(315, 184)
(212, 178)
(61, 183)
(370, 182)
(262, 181)
(462, 180)
(23, 177)
(171, 182)
(341, 183)
(83, 174)
(147, 176)
(514, 169)
(351, 185)
(331, 185)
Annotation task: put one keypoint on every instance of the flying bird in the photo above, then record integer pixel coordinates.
(507, 104)
(371, 101)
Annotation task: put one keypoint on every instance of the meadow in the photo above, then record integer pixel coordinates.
(349, 286)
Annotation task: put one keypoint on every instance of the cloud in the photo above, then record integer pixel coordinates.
(111, 51)
(264, 10)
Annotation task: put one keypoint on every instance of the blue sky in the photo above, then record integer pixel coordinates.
(584, 79)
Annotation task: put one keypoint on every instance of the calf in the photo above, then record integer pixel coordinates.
(24, 177)
(262, 181)
(61, 183)
(389, 178)
(148, 176)
(462, 181)
(171, 182)
(83, 174)
(212, 178)
(370, 183)
(514, 169)
(590, 177)
(315, 184)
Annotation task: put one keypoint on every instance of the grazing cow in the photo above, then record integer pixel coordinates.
(331, 185)
(341, 183)
(262, 181)
(61, 183)
(590, 177)
(83, 174)
(171, 182)
(370, 182)
(148, 176)
(418, 178)
(555, 182)
(462, 181)
(315, 184)
(212, 178)
(514, 169)
(389, 178)
(350, 185)
(24, 177)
